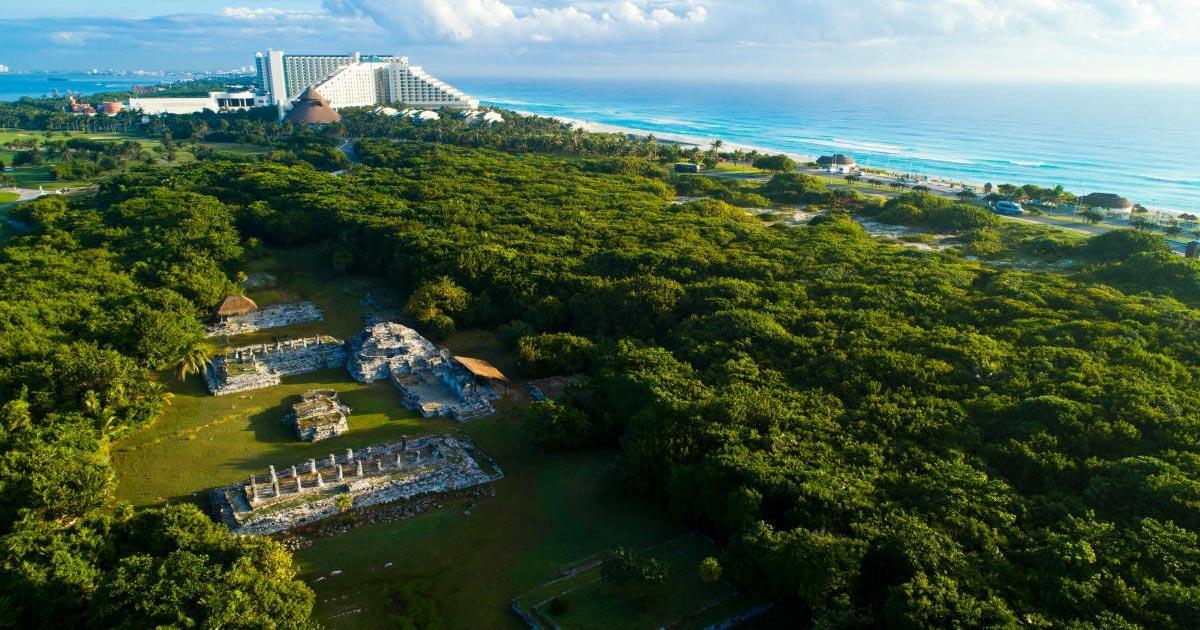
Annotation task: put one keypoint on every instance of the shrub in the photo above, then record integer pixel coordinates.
(555, 353)
(777, 163)
(1121, 244)
(796, 188)
(559, 605)
(556, 426)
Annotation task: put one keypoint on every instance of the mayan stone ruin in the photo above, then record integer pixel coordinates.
(432, 381)
(266, 317)
(263, 365)
(318, 415)
(308, 492)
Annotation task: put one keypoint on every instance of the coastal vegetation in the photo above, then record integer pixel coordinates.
(871, 434)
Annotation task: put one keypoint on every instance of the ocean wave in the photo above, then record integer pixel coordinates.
(1169, 179)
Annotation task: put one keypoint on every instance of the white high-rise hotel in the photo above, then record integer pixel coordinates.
(353, 81)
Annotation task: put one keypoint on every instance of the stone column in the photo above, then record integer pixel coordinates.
(332, 460)
(320, 480)
(349, 455)
(339, 472)
(312, 465)
(293, 471)
(358, 471)
(404, 442)
(299, 484)
(379, 465)
(274, 477)
(275, 488)
(399, 460)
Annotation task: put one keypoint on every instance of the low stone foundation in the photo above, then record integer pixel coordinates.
(311, 491)
(267, 317)
(263, 365)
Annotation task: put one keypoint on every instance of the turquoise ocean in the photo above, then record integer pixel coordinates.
(1142, 142)
(15, 85)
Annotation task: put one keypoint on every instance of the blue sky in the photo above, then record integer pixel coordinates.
(1044, 40)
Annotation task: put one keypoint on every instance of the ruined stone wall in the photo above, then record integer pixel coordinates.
(308, 492)
(374, 352)
(254, 367)
(273, 316)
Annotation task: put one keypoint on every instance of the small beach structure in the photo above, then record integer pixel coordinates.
(1106, 201)
(837, 163)
(312, 109)
(318, 415)
(235, 305)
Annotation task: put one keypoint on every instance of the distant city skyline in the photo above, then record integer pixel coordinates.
(1037, 40)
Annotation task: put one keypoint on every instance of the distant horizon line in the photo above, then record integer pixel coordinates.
(675, 78)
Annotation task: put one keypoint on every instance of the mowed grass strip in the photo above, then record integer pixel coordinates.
(549, 510)
(686, 600)
(203, 441)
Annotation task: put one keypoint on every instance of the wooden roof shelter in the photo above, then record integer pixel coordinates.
(481, 369)
(1106, 200)
(236, 305)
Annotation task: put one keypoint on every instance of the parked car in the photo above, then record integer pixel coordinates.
(1008, 207)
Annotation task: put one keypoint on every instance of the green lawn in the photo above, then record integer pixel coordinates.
(202, 441)
(237, 147)
(685, 601)
(549, 510)
(730, 167)
(8, 197)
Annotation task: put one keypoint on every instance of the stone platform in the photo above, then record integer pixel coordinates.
(263, 365)
(382, 473)
(267, 317)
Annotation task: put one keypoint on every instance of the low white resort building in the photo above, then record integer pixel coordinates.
(215, 102)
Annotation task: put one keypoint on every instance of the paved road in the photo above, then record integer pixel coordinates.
(347, 147)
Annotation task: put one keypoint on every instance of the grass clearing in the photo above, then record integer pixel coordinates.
(8, 197)
(237, 148)
(202, 441)
(549, 509)
(686, 601)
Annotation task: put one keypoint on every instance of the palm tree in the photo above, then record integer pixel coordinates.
(195, 361)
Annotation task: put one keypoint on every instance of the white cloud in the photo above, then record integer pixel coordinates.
(498, 20)
(265, 14)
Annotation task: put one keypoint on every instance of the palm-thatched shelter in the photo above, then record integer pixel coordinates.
(482, 369)
(312, 109)
(1108, 201)
(236, 305)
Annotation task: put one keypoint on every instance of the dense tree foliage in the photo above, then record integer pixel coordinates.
(101, 291)
(876, 435)
(879, 435)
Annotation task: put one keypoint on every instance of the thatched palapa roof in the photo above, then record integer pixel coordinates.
(236, 305)
(312, 109)
(1106, 200)
(837, 159)
(481, 368)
